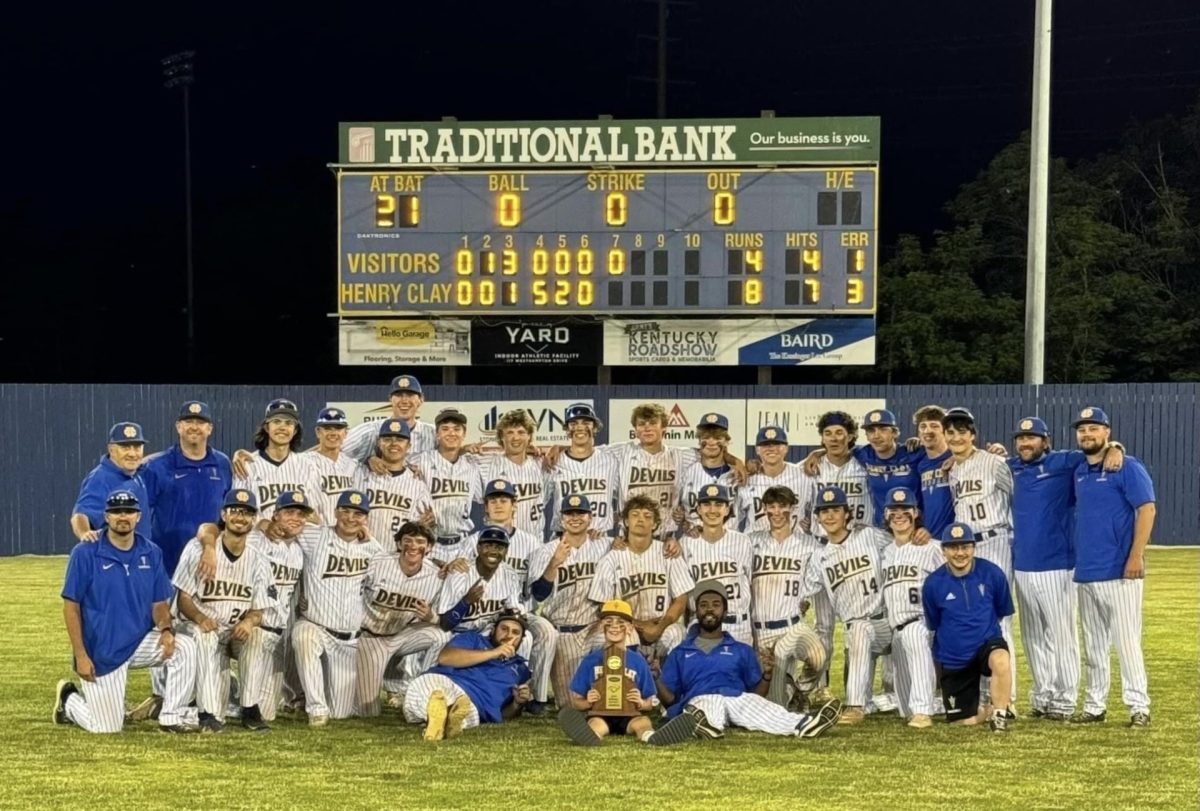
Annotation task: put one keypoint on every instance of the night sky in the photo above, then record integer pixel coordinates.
(92, 201)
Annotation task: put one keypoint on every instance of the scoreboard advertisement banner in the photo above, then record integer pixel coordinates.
(446, 342)
(799, 417)
(482, 416)
(562, 342)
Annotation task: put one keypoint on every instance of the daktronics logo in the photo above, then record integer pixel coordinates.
(676, 418)
(548, 420)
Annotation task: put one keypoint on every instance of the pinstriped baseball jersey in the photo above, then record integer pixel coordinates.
(521, 547)
(730, 561)
(453, 488)
(390, 596)
(396, 498)
(982, 488)
(696, 476)
(501, 592)
(336, 476)
(334, 571)
(656, 475)
(904, 571)
(778, 575)
(360, 441)
(269, 478)
(569, 603)
(646, 580)
(750, 505)
(287, 566)
(850, 573)
(528, 480)
(594, 477)
(852, 478)
(239, 585)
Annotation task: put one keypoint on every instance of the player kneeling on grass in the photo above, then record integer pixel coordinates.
(477, 680)
(588, 730)
(720, 682)
(965, 600)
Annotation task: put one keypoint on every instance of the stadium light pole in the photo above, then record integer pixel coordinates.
(178, 72)
(1039, 186)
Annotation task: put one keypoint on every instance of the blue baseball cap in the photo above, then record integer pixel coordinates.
(900, 497)
(354, 500)
(580, 411)
(1092, 414)
(121, 500)
(395, 428)
(830, 496)
(713, 420)
(575, 504)
(494, 534)
(238, 497)
(958, 533)
(712, 492)
(195, 410)
(126, 433)
(1031, 426)
(406, 383)
(500, 487)
(771, 435)
(880, 418)
(281, 408)
(332, 418)
(292, 498)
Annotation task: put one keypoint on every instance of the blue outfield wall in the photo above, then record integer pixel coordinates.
(53, 434)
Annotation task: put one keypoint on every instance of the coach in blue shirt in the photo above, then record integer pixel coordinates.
(1114, 516)
(964, 602)
(118, 470)
(116, 606)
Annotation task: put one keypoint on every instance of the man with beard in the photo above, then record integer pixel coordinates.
(452, 476)
(336, 470)
(278, 465)
(515, 464)
(581, 470)
(723, 555)
(397, 496)
(773, 470)
(720, 682)
(406, 400)
(712, 434)
(117, 470)
(472, 599)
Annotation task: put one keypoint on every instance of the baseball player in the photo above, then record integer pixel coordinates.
(278, 464)
(561, 575)
(937, 497)
(720, 682)
(964, 601)
(118, 470)
(514, 464)
(773, 470)
(222, 615)
(406, 399)
(983, 486)
(400, 591)
(648, 467)
(397, 496)
(641, 575)
(906, 565)
(848, 568)
(589, 730)
(472, 599)
(582, 471)
(1114, 518)
(478, 680)
(888, 463)
(723, 555)
(325, 636)
(712, 434)
(336, 471)
(781, 636)
(454, 485)
(117, 609)
(836, 465)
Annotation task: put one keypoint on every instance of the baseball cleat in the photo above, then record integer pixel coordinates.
(679, 729)
(885, 702)
(252, 720)
(852, 715)
(572, 722)
(704, 729)
(999, 721)
(61, 693)
(826, 716)
(1035, 712)
(318, 721)
(919, 721)
(1055, 715)
(535, 708)
(177, 729)
(436, 712)
(459, 711)
(1089, 718)
(148, 710)
(211, 726)
(1140, 719)
(393, 700)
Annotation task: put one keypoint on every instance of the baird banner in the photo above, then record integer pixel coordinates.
(729, 342)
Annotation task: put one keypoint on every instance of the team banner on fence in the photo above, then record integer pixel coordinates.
(799, 417)
(482, 416)
(553, 342)
(733, 342)
(392, 342)
(682, 418)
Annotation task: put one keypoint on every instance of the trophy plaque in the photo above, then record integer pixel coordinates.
(613, 685)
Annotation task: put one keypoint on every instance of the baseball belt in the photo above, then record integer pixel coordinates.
(345, 636)
(571, 629)
(735, 620)
(271, 629)
(775, 625)
(448, 540)
(905, 624)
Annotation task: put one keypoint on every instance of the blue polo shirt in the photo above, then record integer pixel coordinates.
(116, 592)
(1106, 504)
(636, 668)
(898, 470)
(102, 480)
(964, 612)
(1043, 508)
(184, 493)
(490, 684)
(937, 497)
(729, 670)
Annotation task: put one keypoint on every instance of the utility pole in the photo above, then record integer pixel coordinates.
(1039, 186)
(178, 72)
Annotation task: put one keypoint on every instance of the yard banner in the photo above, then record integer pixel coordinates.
(734, 342)
(393, 342)
(552, 342)
(799, 417)
(482, 416)
(682, 418)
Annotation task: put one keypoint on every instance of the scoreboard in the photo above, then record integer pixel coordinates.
(764, 221)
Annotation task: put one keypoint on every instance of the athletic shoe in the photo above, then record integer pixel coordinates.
(885, 702)
(1035, 712)
(252, 720)
(679, 729)
(704, 729)
(799, 703)
(61, 693)
(1055, 715)
(1140, 719)
(318, 721)
(1089, 718)
(394, 701)
(211, 726)
(852, 715)
(572, 722)
(459, 711)
(148, 710)
(535, 708)
(178, 729)
(233, 711)
(824, 718)
(999, 721)
(920, 721)
(435, 716)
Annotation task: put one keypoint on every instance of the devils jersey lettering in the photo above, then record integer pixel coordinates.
(335, 475)
(392, 598)
(750, 505)
(655, 475)
(240, 585)
(287, 566)
(850, 573)
(569, 603)
(395, 498)
(334, 571)
(529, 482)
(521, 546)
(501, 592)
(729, 561)
(269, 478)
(852, 478)
(453, 488)
(904, 571)
(982, 488)
(594, 477)
(646, 580)
(778, 575)
(696, 476)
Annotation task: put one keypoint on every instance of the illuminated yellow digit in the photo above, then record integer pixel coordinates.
(510, 292)
(463, 293)
(812, 291)
(562, 262)
(540, 296)
(464, 262)
(812, 260)
(854, 291)
(508, 262)
(616, 208)
(585, 293)
(562, 293)
(860, 260)
(508, 209)
(753, 291)
(385, 211)
(616, 262)
(487, 292)
(724, 208)
(414, 211)
(487, 262)
(584, 261)
(541, 262)
(754, 259)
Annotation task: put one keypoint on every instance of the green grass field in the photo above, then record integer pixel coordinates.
(528, 764)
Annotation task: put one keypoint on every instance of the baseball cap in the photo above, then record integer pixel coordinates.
(121, 500)
(514, 615)
(713, 420)
(880, 417)
(771, 435)
(499, 487)
(126, 433)
(493, 534)
(900, 497)
(195, 410)
(332, 418)
(705, 586)
(395, 428)
(292, 498)
(712, 492)
(281, 408)
(1032, 426)
(1092, 414)
(958, 413)
(406, 383)
(354, 500)
(450, 415)
(958, 533)
(580, 411)
(575, 504)
(242, 498)
(617, 608)
(830, 496)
